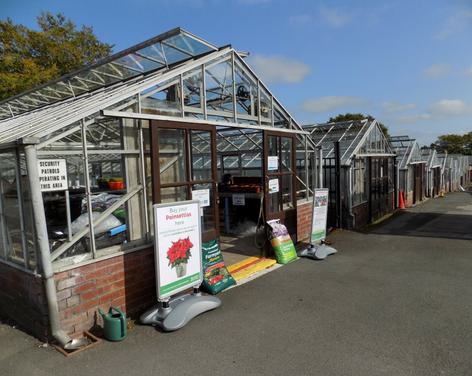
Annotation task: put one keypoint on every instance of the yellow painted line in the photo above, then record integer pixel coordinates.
(253, 269)
(242, 264)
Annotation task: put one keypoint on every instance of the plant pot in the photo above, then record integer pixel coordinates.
(181, 270)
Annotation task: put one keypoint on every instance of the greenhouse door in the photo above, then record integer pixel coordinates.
(279, 192)
(379, 195)
(184, 161)
(418, 182)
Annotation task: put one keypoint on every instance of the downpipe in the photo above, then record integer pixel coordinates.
(39, 219)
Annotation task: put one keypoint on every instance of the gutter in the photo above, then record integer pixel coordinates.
(39, 219)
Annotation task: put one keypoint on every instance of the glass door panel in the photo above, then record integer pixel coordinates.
(183, 159)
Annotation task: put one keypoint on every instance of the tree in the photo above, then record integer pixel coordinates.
(30, 57)
(348, 117)
(454, 144)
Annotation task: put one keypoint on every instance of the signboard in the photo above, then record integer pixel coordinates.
(320, 215)
(273, 186)
(177, 247)
(239, 199)
(203, 196)
(52, 175)
(272, 163)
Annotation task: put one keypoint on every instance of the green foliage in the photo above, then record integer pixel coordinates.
(348, 117)
(29, 57)
(454, 144)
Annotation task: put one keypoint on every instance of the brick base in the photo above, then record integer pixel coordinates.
(304, 214)
(125, 281)
(22, 299)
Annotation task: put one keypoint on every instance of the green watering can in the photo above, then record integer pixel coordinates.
(114, 324)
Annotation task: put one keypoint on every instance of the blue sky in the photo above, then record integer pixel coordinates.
(408, 63)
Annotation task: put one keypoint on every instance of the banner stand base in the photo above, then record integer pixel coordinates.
(177, 312)
(317, 251)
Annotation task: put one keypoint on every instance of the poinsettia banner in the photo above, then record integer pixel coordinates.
(177, 247)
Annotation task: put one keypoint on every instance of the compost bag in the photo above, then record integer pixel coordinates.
(216, 277)
(281, 242)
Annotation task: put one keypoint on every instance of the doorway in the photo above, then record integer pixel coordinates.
(280, 180)
(183, 161)
(247, 174)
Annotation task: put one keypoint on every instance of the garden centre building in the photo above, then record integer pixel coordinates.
(358, 168)
(160, 122)
(83, 159)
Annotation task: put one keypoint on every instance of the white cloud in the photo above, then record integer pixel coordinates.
(437, 70)
(413, 118)
(451, 107)
(468, 72)
(300, 19)
(335, 17)
(278, 69)
(440, 110)
(329, 103)
(456, 23)
(397, 107)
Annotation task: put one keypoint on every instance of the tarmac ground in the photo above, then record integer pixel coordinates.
(395, 300)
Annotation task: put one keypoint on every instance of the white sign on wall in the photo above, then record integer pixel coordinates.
(239, 199)
(272, 163)
(203, 196)
(273, 186)
(320, 214)
(177, 247)
(52, 175)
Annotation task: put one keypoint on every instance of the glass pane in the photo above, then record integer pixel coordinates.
(231, 164)
(10, 231)
(266, 107)
(280, 120)
(274, 200)
(173, 194)
(273, 151)
(104, 134)
(219, 87)
(172, 155)
(165, 101)
(246, 94)
(287, 191)
(201, 155)
(193, 88)
(208, 221)
(286, 154)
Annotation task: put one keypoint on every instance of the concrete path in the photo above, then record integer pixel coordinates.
(394, 301)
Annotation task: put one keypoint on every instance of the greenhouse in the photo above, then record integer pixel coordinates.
(358, 166)
(83, 159)
(433, 174)
(411, 168)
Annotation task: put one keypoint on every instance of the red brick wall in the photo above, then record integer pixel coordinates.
(22, 299)
(304, 213)
(126, 281)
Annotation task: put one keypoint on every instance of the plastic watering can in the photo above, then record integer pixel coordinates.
(114, 324)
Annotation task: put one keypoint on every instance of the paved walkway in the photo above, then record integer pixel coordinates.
(393, 301)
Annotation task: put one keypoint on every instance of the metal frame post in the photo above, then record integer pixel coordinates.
(42, 241)
(337, 155)
(19, 189)
(88, 193)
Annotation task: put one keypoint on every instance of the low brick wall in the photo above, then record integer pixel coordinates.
(22, 299)
(304, 213)
(125, 281)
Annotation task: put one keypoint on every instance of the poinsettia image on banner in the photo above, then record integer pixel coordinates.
(178, 255)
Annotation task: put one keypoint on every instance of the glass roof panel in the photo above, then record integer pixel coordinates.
(171, 47)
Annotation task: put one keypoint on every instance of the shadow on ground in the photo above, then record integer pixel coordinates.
(434, 225)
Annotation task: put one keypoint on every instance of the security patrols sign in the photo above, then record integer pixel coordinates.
(52, 175)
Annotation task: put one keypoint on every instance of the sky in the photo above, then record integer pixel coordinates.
(407, 63)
